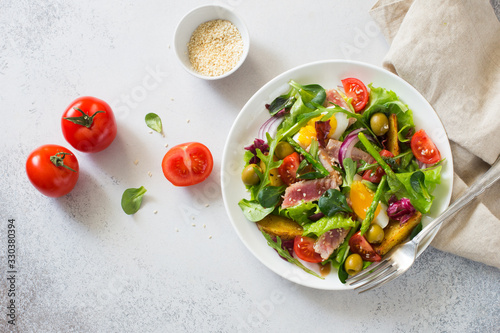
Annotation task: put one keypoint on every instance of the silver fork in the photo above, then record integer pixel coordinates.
(400, 258)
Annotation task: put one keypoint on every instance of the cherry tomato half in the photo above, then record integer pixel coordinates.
(288, 169)
(53, 170)
(187, 164)
(304, 249)
(356, 90)
(88, 124)
(424, 149)
(376, 176)
(358, 244)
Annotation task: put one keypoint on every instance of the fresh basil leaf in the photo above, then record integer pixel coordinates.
(253, 210)
(285, 254)
(132, 199)
(154, 122)
(332, 202)
(270, 196)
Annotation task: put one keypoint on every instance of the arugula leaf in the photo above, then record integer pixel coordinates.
(132, 199)
(253, 210)
(333, 202)
(285, 254)
(417, 180)
(154, 122)
(350, 168)
(327, 223)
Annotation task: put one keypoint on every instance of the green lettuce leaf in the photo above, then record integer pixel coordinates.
(327, 223)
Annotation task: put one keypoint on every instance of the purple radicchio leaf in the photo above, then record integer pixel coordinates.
(322, 130)
(400, 210)
(257, 144)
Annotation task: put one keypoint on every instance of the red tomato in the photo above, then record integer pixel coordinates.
(88, 124)
(53, 170)
(424, 149)
(304, 249)
(358, 244)
(187, 164)
(356, 90)
(288, 169)
(376, 176)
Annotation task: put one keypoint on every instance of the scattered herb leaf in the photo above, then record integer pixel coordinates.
(154, 122)
(132, 199)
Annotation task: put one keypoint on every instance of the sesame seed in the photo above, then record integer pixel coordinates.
(215, 47)
(150, 174)
(209, 237)
(155, 212)
(136, 162)
(166, 145)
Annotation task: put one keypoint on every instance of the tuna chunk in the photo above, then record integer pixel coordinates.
(333, 96)
(309, 190)
(329, 242)
(331, 153)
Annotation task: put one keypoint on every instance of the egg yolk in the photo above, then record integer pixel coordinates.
(361, 199)
(308, 132)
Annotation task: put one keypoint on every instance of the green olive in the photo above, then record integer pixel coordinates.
(379, 123)
(275, 178)
(353, 264)
(375, 234)
(249, 176)
(283, 149)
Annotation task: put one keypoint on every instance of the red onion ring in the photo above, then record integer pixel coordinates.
(270, 126)
(350, 140)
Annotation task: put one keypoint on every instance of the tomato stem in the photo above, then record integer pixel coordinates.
(84, 119)
(58, 160)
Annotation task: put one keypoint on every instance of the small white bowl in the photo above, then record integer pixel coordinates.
(192, 20)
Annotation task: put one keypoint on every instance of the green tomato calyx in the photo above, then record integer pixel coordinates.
(84, 119)
(58, 160)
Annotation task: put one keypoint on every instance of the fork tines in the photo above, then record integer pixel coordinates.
(373, 276)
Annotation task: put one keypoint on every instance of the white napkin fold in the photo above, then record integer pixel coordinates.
(449, 50)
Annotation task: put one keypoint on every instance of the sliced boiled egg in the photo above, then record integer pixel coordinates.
(338, 124)
(361, 199)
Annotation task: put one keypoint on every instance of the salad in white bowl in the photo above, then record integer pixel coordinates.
(337, 176)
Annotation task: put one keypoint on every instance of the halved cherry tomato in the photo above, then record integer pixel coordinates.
(288, 169)
(356, 90)
(88, 124)
(187, 164)
(376, 176)
(424, 149)
(358, 244)
(53, 170)
(304, 249)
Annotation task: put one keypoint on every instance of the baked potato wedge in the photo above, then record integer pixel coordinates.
(396, 234)
(392, 135)
(283, 227)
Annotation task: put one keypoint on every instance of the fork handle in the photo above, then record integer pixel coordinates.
(476, 189)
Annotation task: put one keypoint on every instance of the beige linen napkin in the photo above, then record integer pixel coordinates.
(449, 50)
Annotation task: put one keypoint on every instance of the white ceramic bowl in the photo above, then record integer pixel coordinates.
(245, 128)
(192, 20)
